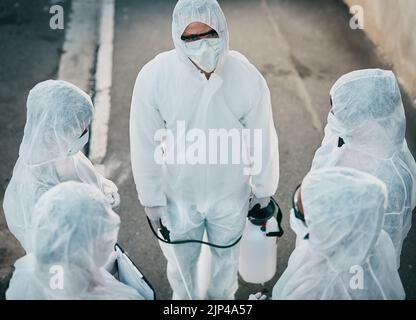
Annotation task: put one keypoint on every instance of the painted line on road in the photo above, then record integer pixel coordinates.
(103, 83)
(77, 59)
(316, 122)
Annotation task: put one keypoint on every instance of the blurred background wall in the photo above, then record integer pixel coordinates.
(391, 25)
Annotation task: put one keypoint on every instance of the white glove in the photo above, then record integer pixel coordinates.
(111, 192)
(264, 202)
(257, 296)
(113, 198)
(156, 213)
(110, 265)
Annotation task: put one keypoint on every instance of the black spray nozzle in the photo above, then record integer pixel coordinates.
(259, 216)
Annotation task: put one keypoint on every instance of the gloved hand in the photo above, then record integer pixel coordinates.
(257, 296)
(110, 265)
(114, 199)
(156, 213)
(262, 201)
(111, 192)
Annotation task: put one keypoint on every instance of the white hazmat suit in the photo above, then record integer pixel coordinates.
(58, 113)
(368, 115)
(209, 195)
(76, 231)
(347, 255)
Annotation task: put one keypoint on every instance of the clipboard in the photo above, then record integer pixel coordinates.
(130, 275)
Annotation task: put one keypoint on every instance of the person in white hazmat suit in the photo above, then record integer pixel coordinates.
(346, 254)
(58, 116)
(75, 233)
(204, 85)
(368, 115)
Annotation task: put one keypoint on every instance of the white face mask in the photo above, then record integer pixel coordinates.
(205, 53)
(79, 144)
(298, 226)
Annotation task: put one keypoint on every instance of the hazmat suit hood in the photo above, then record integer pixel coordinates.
(57, 114)
(75, 229)
(368, 115)
(348, 255)
(368, 112)
(344, 211)
(205, 11)
(75, 232)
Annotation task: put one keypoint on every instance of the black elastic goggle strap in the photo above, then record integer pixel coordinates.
(166, 234)
(84, 133)
(298, 214)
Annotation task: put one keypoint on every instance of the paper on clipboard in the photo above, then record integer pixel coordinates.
(131, 276)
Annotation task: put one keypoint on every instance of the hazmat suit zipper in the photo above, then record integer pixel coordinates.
(210, 88)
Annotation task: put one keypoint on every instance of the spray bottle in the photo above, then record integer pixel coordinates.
(258, 250)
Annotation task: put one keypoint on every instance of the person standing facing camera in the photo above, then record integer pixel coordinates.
(205, 86)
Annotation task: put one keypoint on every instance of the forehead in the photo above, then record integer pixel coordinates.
(196, 28)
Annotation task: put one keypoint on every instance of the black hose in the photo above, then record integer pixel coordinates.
(188, 241)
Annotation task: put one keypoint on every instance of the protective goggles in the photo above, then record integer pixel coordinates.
(195, 37)
(298, 213)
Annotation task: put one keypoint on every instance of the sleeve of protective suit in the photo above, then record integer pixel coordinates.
(145, 120)
(265, 169)
(85, 172)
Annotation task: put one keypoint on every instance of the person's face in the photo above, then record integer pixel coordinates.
(197, 31)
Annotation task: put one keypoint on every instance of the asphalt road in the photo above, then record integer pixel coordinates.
(301, 47)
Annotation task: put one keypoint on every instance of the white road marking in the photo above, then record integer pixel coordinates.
(103, 82)
(79, 47)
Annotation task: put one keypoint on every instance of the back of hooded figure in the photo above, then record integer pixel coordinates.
(58, 116)
(75, 232)
(368, 115)
(347, 255)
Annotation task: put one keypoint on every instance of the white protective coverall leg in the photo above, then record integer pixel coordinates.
(368, 115)
(170, 92)
(75, 232)
(58, 116)
(347, 255)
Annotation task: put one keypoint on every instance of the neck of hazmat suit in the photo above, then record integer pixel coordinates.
(58, 115)
(200, 147)
(76, 231)
(368, 115)
(347, 255)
